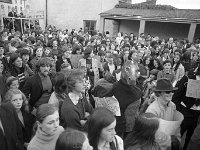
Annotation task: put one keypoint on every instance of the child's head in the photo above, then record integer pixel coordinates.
(12, 82)
(167, 64)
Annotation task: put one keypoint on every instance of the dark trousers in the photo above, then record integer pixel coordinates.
(189, 123)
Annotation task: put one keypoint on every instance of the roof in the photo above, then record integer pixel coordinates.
(145, 11)
(6, 1)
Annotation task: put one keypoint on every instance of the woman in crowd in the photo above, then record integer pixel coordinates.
(75, 108)
(143, 136)
(157, 65)
(18, 100)
(178, 68)
(18, 69)
(73, 140)
(47, 128)
(101, 131)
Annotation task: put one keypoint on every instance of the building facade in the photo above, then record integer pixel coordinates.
(74, 14)
(158, 20)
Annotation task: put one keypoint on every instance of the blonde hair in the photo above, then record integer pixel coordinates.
(10, 93)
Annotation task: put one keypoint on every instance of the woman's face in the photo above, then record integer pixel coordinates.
(79, 86)
(86, 145)
(108, 133)
(14, 84)
(44, 70)
(17, 101)
(50, 124)
(18, 62)
(39, 52)
(176, 58)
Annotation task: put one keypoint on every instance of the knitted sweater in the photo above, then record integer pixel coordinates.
(42, 141)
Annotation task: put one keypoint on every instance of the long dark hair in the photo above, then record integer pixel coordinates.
(143, 133)
(100, 119)
(178, 63)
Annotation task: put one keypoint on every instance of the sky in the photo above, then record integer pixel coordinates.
(181, 4)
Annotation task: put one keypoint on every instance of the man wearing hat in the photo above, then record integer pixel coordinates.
(163, 107)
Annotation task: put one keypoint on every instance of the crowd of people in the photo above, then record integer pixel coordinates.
(52, 81)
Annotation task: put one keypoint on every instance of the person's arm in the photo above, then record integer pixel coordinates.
(180, 93)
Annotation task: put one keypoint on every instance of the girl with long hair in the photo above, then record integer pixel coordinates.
(101, 131)
(26, 119)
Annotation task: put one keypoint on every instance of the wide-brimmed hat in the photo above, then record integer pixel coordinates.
(164, 84)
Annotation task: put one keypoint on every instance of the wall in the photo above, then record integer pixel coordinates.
(71, 13)
(129, 26)
(166, 30)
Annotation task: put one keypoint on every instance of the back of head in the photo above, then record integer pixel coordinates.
(70, 140)
(143, 133)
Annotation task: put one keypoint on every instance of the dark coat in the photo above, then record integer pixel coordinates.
(195, 140)
(33, 87)
(27, 128)
(11, 127)
(180, 96)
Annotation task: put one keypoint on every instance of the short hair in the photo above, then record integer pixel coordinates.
(96, 123)
(167, 61)
(87, 52)
(44, 61)
(45, 110)
(70, 140)
(72, 78)
(144, 131)
(10, 79)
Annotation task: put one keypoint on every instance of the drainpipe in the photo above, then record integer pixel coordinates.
(46, 13)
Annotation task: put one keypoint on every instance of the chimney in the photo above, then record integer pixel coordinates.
(125, 1)
(152, 2)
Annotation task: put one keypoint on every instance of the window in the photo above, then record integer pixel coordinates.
(89, 25)
(16, 9)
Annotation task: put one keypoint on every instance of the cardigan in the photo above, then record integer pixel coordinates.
(72, 114)
(42, 141)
